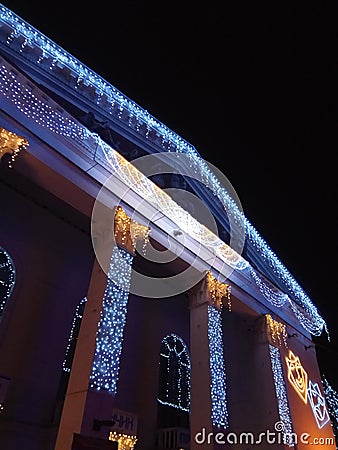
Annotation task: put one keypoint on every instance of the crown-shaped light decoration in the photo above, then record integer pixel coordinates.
(297, 376)
(318, 404)
(12, 144)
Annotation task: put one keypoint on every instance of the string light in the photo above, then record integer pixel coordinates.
(109, 339)
(7, 278)
(332, 406)
(60, 123)
(281, 394)
(218, 290)
(217, 368)
(12, 144)
(174, 373)
(74, 332)
(130, 228)
(277, 331)
(125, 441)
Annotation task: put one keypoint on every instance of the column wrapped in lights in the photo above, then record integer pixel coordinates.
(109, 339)
(105, 369)
(217, 368)
(216, 292)
(277, 337)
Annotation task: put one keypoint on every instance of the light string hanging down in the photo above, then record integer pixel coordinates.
(12, 144)
(281, 394)
(277, 333)
(218, 290)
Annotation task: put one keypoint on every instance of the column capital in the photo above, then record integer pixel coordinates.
(212, 291)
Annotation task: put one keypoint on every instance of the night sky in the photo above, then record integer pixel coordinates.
(254, 87)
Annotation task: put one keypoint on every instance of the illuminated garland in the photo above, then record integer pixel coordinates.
(127, 227)
(332, 406)
(12, 144)
(277, 331)
(175, 370)
(281, 393)
(106, 364)
(218, 290)
(60, 123)
(7, 278)
(217, 368)
(125, 441)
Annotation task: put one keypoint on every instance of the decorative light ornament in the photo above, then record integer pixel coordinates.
(127, 227)
(281, 394)
(174, 389)
(12, 144)
(7, 278)
(218, 290)
(276, 332)
(125, 441)
(297, 375)
(217, 368)
(318, 405)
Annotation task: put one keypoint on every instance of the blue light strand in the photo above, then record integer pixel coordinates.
(46, 116)
(109, 339)
(281, 393)
(7, 278)
(217, 368)
(74, 332)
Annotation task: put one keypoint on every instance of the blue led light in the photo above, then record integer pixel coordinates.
(281, 393)
(7, 278)
(109, 339)
(217, 368)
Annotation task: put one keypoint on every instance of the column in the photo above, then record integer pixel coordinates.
(208, 410)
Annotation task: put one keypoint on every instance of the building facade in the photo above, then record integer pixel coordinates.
(128, 320)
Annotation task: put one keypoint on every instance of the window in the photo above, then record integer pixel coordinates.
(7, 278)
(174, 386)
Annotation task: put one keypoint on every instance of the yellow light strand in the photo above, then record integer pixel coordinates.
(128, 227)
(277, 331)
(12, 144)
(125, 441)
(218, 290)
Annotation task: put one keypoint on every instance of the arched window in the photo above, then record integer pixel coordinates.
(7, 278)
(174, 383)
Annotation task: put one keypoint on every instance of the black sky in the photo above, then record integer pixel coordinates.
(254, 87)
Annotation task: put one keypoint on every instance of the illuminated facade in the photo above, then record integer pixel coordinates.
(102, 346)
